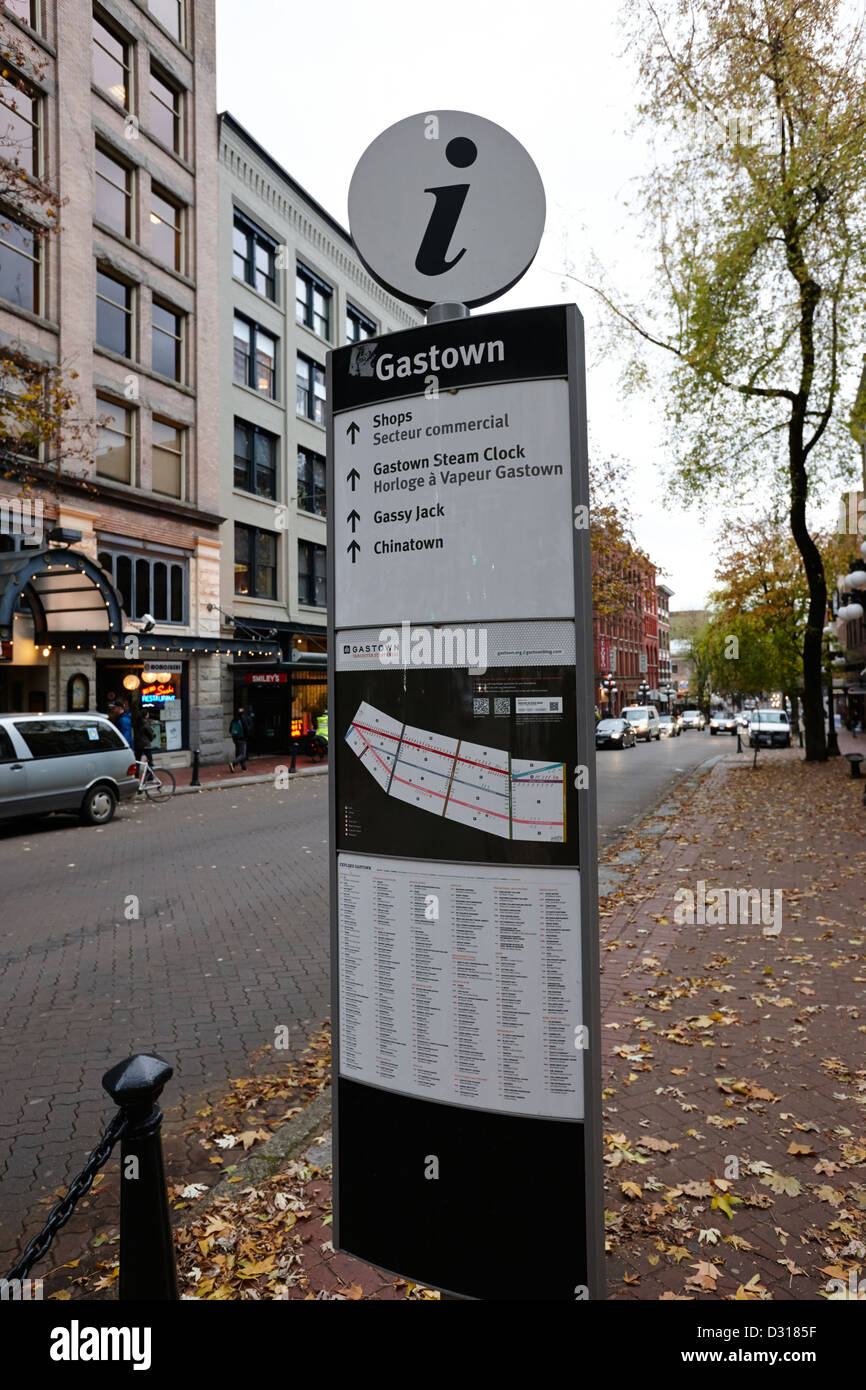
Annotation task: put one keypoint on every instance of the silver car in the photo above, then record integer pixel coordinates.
(63, 762)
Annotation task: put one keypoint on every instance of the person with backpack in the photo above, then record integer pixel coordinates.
(238, 731)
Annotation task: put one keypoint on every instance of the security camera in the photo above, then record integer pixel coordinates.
(149, 622)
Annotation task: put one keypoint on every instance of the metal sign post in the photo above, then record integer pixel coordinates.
(465, 965)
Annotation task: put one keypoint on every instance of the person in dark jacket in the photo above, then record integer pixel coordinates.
(238, 731)
(143, 730)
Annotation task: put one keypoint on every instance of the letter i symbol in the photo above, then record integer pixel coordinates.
(460, 152)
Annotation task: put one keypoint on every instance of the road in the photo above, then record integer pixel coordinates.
(193, 929)
(633, 780)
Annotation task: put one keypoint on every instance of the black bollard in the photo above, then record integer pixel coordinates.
(147, 1268)
(196, 755)
(739, 742)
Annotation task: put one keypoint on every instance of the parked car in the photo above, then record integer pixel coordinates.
(644, 719)
(63, 762)
(693, 719)
(614, 733)
(769, 728)
(668, 726)
(723, 723)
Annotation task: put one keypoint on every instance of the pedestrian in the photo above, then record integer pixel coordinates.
(123, 719)
(143, 731)
(238, 731)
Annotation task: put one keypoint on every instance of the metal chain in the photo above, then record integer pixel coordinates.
(61, 1212)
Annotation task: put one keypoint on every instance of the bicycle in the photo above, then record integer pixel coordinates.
(157, 785)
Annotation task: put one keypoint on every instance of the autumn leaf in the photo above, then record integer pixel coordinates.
(754, 1289)
(723, 1201)
(777, 1182)
(794, 1148)
(630, 1190)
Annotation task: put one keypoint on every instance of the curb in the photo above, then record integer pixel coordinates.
(250, 781)
(289, 1141)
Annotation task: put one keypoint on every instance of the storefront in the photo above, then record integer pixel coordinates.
(157, 686)
(287, 699)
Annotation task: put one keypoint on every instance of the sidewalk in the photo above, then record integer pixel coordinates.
(259, 769)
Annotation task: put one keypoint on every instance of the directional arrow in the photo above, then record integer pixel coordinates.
(352, 549)
(352, 518)
(353, 431)
(353, 478)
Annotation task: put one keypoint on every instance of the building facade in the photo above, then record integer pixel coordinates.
(290, 286)
(626, 641)
(663, 604)
(113, 106)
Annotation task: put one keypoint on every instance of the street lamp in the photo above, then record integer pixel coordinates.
(642, 693)
(609, 685)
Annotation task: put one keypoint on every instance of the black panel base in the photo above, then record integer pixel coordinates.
(503, 1220)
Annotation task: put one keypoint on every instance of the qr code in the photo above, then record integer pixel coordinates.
(481, 706)
(502, 705)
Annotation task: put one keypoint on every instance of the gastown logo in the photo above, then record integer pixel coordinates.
(363, 360)
(76, 1343)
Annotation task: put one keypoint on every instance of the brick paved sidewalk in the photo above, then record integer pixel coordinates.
(256, 767)
(742, 1050)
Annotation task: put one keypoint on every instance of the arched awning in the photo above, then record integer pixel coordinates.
(66, 592)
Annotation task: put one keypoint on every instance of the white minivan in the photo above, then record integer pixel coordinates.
(63, 762)
(644, 719)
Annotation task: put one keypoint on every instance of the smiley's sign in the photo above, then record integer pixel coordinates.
(446, 207)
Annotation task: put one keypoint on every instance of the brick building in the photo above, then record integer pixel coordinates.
(113, 105)
(626, 642)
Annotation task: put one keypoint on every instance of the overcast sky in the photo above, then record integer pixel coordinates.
(316, 84)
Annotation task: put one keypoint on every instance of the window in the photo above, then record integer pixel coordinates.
(19, 264)
(255, 357)
(114, 441)
(255, 460)
(310, 390)
(148, 584)
(166, 341)
(166, 225)
(311, 483)
(312, 574)
(7, 752)
(165, 100)
(170, 15)
(19, 124)
(113, 314)
(59, 738)
(254, 256)
(358, 326)
(255, 562)
(167, 455)
(112, 202)
(26, 10)
(110, 62)
(313, 302)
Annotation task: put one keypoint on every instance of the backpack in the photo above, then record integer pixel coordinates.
(237, 729)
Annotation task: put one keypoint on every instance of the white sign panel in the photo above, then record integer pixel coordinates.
(461, 983)
(465, 208)
(432, 500)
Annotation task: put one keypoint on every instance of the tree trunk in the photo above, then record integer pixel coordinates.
(813, 703)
